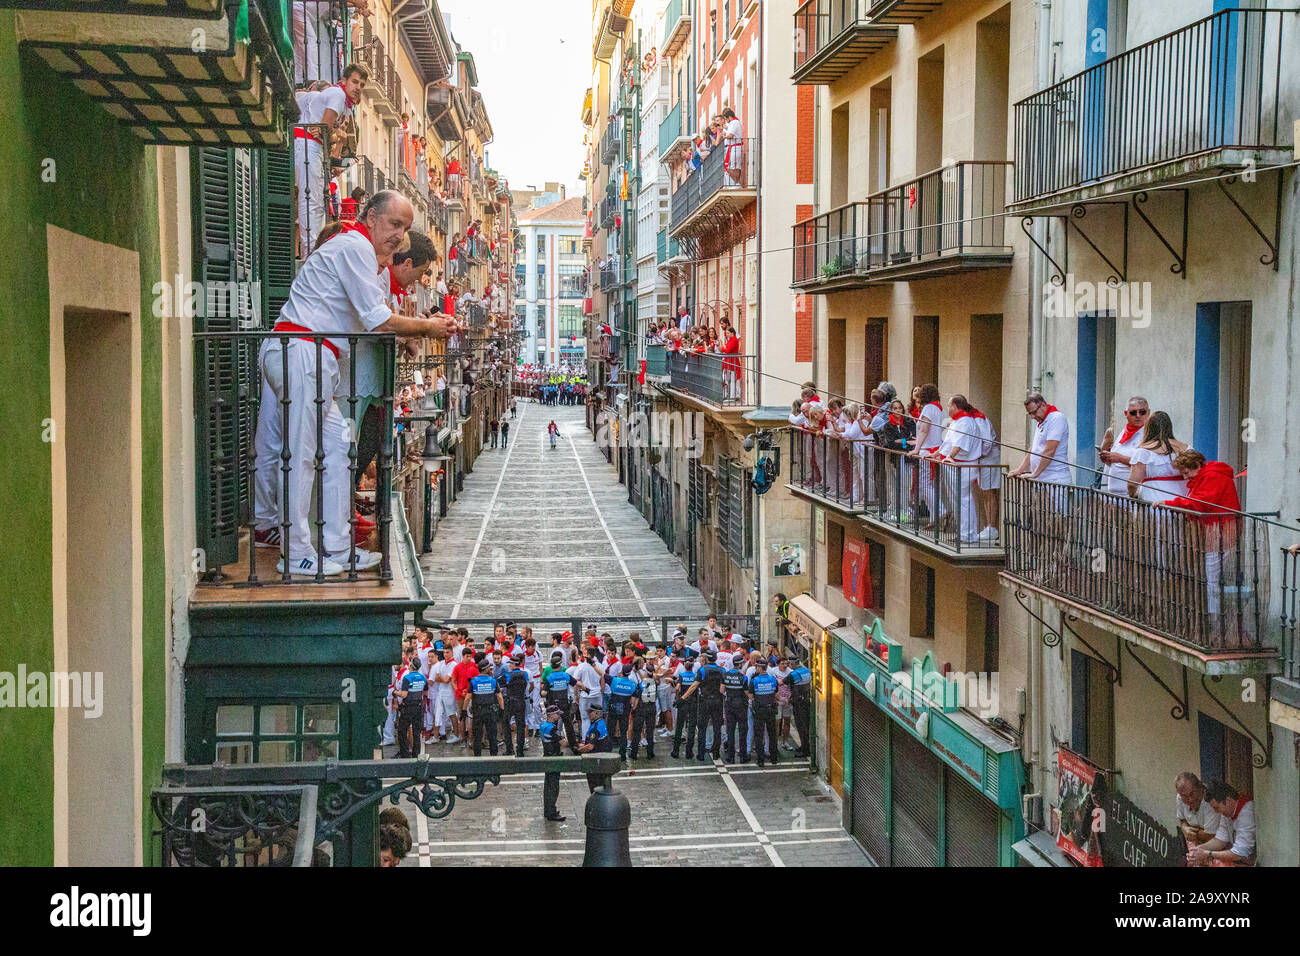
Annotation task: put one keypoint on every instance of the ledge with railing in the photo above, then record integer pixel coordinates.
(1208, 87)
(726, 171)
(720, 380)
(833, 36)
(953, 506)
(384, 85)
(610, 207)
(1193, 580)
(949, 220)
(611, 141)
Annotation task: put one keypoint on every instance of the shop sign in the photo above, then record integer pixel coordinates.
(1132, 837)
(880, 649)
(1081, 799)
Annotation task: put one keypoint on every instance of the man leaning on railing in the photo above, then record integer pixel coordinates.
(335, 292)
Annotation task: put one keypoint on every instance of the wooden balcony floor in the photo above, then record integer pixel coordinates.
(235, 588)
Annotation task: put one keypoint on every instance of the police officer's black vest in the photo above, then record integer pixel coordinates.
(711, 677)
(733, 682)
(517, 686)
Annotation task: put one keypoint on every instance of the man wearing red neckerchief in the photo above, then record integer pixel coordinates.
(327, 108)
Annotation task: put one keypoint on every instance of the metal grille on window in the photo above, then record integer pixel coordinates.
(868, 821)
(724, 504)
(738, 527)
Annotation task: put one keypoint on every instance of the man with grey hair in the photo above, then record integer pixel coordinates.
(336, 291)
(1117, 452)
(1197, 820)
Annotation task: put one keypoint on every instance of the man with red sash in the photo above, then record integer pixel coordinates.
(327, 107)
(336, 291)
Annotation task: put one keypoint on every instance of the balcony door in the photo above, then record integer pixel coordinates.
(1222, 385)
(1095, 390)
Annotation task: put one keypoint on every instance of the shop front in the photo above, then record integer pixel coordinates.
(925, 782)
(807, 628)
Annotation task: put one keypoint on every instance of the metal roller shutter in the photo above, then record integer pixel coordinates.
(970, 825)
(915, 801)
(868, 793)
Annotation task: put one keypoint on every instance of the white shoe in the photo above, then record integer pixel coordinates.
(307, 567)
(452, 739)
(365, 559)
(970, 538)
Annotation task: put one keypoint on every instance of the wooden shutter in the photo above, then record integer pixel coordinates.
(278, 228)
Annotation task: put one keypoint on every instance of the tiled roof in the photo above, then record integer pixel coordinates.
(566, 210)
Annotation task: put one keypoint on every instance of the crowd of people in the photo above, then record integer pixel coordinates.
(553, 384)
(725, 132)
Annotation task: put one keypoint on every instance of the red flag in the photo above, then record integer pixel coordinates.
(911, 196)
(640, 378)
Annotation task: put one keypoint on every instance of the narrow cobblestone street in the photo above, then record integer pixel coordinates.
(541, 533)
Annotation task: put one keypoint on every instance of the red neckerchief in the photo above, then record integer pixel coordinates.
(351, 101)
(895, 420)
(394, 287)
(355, 227)
(1242, 800)
(936, 405)
(973, 413)
(1050, 409)
(1129, 432)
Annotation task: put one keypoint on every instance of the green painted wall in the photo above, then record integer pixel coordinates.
(106, 190)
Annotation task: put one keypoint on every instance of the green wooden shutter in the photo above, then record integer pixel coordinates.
(278, 229)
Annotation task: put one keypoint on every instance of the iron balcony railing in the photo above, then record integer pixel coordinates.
(242, 458)
(384, 79)
(1290, 647)
(1196, 579)
(726, 169)
(609, 346)
(611, 142)
(319, 29)
(835, 30)
(955, 212)
(438, 217)
(941, 502)
(675, 126)
(610, 207)
(610, 278)
(722, 380)
(656, 359)
(1213, 84)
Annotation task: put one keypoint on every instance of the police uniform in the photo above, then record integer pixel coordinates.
(686, 711)
(763, 687)
(623, 692)
(549, 731)
(483, 708)
(709, 713)
(558, 684)
(734, 686)
(800, 681)
(598, 737)
(515, 690)
(410, 713)
(646, 716)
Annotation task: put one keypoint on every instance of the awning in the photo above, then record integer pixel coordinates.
(807, 615)
(1039, 849)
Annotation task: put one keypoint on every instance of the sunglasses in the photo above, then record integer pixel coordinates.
(1140, 411)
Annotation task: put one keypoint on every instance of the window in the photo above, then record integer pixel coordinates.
(735, 511)
(570, 246)
(570, 318)
(834, 553)
(1092, 709)
(922, 621)
(982, 618)
(876, 559)
(1225, 754)
(277, 733)
(541, 246)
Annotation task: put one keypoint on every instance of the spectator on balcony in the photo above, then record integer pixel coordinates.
(316, 43)
(1197, 820)
(1152, 476)
(354, 202)
(326, 108)
(453, 176)
(962, 449)
(1234, 841)
(1117, 454)
(335, 291)
(857, 437)
(929, 436)
(1048, 458)
(731, 367)
(733, 133)
(914, 409)
(989, 484)
(683, 319)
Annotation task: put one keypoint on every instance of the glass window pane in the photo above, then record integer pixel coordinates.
(235, 754)
(320, 719)
(234, 720)
(319, 748)
(277, 719)
(277, 751)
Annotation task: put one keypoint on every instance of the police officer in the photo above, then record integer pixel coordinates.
(735, 685)
(762, 698)
(515, 690)
(410, 712)
(800, 681)
(646, 714)
(597, 739)
(557, 685)
(549, 731)
(624, 695)
(485, 705)
(708, 687)
(686, 711)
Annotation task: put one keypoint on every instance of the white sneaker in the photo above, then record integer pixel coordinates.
(989, 535)
(365, 559)
(452, 739)
(307, 567)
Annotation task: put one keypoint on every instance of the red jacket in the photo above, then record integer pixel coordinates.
(1212, 492)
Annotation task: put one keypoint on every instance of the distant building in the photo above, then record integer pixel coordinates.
(551, 283)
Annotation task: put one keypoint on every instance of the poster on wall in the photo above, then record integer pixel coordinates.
(1081, 797)
(856, 570)
(789, 560)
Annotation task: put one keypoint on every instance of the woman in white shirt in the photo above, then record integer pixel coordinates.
(855, 448)
(929, 437)
(1152, 476)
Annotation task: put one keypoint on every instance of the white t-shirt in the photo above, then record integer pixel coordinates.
(312, 106)
(1240, 833)
(590, 678)
(990, 453)
(1055, 427)
(1204, 816)
(725, 658)
(962, 439)
(734, 131)
(1163, 481)
(444, 669)
(336, 290)
(934, 415)
(1117, 474)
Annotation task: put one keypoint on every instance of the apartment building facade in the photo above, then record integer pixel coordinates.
(553, 285)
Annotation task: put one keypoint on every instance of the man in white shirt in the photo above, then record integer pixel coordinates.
(336, 290)
(328, 107)
(444, 696)
(1049, 454)
(1196, 818)
(962, 445)
(1234, 842)
(1118, 456)
(589, 675)
(733, 137)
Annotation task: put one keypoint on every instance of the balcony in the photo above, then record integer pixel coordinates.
(610, 347)
(726, 182)
(384, 88)
(666, 250)
(948, 221)
(899, 12)
(438, 215)
(674, 131)
(656, 361)
(610, 208)
(1201, 98)
(1191, 587)
(677, 27)
(611, 141)
(834, 36)
(612, 23)
(926, 503)
(610, 278)
(137, 60)
(721, 381)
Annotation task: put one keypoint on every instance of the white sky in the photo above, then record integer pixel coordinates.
(533, 59)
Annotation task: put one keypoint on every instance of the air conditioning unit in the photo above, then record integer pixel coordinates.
(1031, 805)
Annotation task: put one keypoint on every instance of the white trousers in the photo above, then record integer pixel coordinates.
(311, 192)
(335, 488)
(444, 708)
(584, 703)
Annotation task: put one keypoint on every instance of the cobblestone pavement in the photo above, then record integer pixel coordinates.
(549, 533)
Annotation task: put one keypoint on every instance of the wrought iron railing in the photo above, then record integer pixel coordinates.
(957, 210)
(725, 169)
(818, 23)
(949, 504)
(250, 460)
(611, 141)
(1290, 594)
(384, 78)
(609, 278)
(610, 208)
(1197, 579)
(1210, 85)
(723, 380)
(319, 45)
